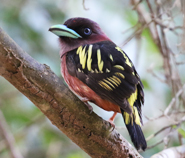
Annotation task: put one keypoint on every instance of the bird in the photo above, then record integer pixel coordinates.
(99, 71)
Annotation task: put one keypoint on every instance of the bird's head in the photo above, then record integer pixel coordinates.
(76, 32)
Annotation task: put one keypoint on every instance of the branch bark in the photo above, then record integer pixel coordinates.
(38, 83)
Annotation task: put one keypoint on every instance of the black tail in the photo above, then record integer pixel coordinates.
(135, 132)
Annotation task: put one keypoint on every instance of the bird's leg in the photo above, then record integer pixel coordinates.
(111, 120)
(85, 100)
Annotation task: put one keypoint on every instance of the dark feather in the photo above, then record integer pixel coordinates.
(136, 134)
(119, 93)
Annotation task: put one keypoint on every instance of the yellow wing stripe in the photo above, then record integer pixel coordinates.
(108, 83)
(126, 58)
(136, 115)
(89, 60)
(113, 81)
(129, 118)
(82, 56)
(119, 67)
(132, 98)
(110, 56)
(117, 79)
(79, 50)
(100, 62)
(120, 74)
(104, 85)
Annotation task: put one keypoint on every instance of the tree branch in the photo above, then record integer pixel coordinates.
(38, 83)
(171, 152)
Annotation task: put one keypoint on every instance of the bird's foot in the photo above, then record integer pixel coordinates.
(85, 100)
(111, 120)
(112, 123)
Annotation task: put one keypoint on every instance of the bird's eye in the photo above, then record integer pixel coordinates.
(87, 31)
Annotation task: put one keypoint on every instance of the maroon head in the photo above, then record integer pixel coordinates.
(76, 32)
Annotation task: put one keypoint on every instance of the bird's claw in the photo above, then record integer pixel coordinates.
(89, 107)
(85, 100)
(112, 124)
(111, 120)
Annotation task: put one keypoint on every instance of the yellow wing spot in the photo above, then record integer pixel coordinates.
(96, 71)
(110, 56)
(133, 73)
(117, 79)
(108, 83)
(120, 75)
(126, 58)
(136, 115)
(132, 98)
(92, 71)
(79, 70)
(119, 67)
(107, 70)
(104, 85)
(89, 60)
(82, 56)
(113, 81)
(100, 62)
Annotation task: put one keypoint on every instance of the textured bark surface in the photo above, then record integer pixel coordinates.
(38, 83)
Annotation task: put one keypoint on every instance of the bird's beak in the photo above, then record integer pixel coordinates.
(63, 30)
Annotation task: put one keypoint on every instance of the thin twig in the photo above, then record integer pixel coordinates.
(161, 130)
(83, 3)
(152, 146)
(170, 133)
(180, 63)
(166, 111)
(159, 22)
(154, 75)
(10, 142)
(130, 28)
(135, 33)
(156, 37)
(135, 6)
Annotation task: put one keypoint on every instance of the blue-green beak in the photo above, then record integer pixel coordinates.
(63, 30)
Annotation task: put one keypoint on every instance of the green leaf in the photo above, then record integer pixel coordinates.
(151, 46)
(146, 84)
(131, 17)
(182, 132)
(76, 155)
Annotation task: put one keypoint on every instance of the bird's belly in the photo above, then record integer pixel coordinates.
(79, 88)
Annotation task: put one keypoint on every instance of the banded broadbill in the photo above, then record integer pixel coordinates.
(99, 71)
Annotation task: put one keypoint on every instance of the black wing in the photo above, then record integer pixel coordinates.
(107, 70)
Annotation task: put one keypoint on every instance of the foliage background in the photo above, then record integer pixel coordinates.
(27, 22)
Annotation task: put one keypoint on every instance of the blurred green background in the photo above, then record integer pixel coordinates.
(27, 22)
